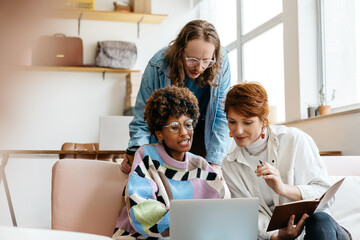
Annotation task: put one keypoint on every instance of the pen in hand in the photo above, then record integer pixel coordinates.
(261, 163)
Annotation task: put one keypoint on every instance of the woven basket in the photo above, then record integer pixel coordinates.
(78, 4)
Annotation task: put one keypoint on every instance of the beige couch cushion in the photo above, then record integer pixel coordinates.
(86, 196)
(346, 208)
(342, 165)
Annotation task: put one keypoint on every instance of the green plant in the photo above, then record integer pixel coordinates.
(323, 98)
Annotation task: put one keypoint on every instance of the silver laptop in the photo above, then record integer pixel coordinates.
(114, 132)
(214, 219)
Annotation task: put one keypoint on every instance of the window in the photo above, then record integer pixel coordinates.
(223, 15)
(265, 52)
(252, 31)
(256, 12)
(233, 66)
(341, 51)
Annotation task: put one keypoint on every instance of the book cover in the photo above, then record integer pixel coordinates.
(283, 212)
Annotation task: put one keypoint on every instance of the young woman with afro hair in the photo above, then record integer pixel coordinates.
(166, 170)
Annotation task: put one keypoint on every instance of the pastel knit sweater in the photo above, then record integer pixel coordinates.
(154, 180)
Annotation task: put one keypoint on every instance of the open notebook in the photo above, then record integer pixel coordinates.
(282, 213)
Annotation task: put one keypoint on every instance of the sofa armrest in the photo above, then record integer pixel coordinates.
(86, 196)
(346, 208)
(342, 165)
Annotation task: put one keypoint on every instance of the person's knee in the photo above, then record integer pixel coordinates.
(320, 226)
(319, 218)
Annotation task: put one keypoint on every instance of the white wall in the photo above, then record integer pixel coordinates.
(336, 132)
(52, 107)
(46, 109)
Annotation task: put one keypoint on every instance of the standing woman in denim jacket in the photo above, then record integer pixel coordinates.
(195, 60)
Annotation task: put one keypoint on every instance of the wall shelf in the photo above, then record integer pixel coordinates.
(80, 69)
(77, 69)
(109, 16)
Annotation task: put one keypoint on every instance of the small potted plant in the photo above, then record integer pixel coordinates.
(324, 107)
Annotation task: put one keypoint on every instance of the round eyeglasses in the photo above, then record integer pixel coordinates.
(205, 63)
(174, 127)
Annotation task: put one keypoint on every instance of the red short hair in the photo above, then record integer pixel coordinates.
(248, 99)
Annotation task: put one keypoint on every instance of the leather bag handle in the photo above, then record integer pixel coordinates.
(59, 35)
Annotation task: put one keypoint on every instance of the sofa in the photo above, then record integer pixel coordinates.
(346, 208)
(87, 194)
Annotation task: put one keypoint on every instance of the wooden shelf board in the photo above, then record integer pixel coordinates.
(77, 69)
(61, 152)
(330, 153)
(110, 16)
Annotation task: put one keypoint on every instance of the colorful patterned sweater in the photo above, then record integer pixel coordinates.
(154, 180)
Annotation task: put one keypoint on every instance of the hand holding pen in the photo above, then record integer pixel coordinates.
(267, 171)
(271, 175)
(260, 168)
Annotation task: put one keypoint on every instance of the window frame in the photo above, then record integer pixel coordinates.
(242, 39)
(321, 60)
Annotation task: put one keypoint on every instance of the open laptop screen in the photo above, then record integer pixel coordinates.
(214, 219)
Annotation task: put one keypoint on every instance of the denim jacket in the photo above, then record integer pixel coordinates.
(156, 75)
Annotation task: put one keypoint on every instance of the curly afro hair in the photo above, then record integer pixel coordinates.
(167, 102)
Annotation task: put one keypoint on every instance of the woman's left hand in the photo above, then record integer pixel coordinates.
(291, 231)
(271, 176)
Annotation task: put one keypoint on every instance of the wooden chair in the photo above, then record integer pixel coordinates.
(70, 146)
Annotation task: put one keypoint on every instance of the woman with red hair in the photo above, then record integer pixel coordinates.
(276, 164)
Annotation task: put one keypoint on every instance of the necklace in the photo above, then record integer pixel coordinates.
(256, 153)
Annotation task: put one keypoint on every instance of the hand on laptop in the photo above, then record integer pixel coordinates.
(125, 166)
